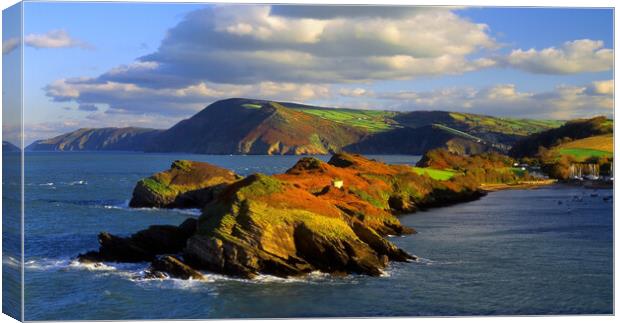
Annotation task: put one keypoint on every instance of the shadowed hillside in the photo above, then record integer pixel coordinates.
(248, 126)
(126, 139)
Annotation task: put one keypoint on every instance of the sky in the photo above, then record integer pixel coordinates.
(153, 64)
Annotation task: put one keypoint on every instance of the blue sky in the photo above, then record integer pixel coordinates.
(151, 65)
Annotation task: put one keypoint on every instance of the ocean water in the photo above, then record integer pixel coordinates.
(519, 252)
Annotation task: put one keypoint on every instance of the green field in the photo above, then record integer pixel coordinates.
(584, 153)
(437, 174)
(506, 125)
(371, 120)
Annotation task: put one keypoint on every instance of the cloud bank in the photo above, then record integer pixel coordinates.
(306, 53)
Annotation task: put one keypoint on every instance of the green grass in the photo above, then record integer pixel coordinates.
(251, 106)
(373, 121)
(436, 174)
(584, 153)
(506, 125)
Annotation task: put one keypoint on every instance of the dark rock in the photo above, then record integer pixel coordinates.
(143, 245)
(172, 267)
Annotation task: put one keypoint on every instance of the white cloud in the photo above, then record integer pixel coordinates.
(577, 56)
(564, 102)
(247, 44)
(131, 98)
(8, 45)
(355, 92)
(601, 87)
(58, 38)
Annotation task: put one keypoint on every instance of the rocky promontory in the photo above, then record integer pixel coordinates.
(187, 184)
(331, 217)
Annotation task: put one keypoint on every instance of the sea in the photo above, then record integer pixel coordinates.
(515, 252)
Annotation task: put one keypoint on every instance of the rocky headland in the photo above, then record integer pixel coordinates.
(330, 216)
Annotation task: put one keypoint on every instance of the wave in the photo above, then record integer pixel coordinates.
(125, 206)
(80, 182)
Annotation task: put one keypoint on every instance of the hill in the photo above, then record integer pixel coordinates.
(500, 131)
(8, 147)
(569, 132)
(87, 139)
(416, 141)
(243, 126)
(581, 149)
(248, 126)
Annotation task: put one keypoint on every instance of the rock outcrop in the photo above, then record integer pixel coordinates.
(330, 217)
(187, 184)
(173, 267)
(142, 246)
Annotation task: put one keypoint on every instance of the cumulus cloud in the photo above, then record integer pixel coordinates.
(577, 56)
(244, 44)
(58, 38)
(564, 102)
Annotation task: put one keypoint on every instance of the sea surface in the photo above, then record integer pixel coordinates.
(514, 252)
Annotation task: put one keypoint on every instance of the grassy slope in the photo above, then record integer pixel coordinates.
(373, 121)
(596, 146)
(436, 174)
(510, 126)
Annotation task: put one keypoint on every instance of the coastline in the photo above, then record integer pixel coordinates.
(524, 185)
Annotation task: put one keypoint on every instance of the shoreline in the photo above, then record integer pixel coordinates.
(525, 185)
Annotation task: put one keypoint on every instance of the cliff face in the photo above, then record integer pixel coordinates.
(120, 139)
(240, 126)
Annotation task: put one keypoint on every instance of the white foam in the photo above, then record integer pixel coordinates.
(125, 206)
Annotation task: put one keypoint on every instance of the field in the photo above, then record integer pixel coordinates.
(596, 146)
(373, 121)
(584, 153)
(506, 125)
(603, 143)
(437, 174)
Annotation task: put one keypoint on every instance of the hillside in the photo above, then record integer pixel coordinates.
(569, 132)
(416, 141)
(248, 126)
(8, 147)
(121, 139)
(596, 146)
(503, 131)
(242, 126)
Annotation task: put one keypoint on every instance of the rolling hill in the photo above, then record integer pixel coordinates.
(241, 126)
(595, 146)
(249, 126)
(88, 139)
(571, 135)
